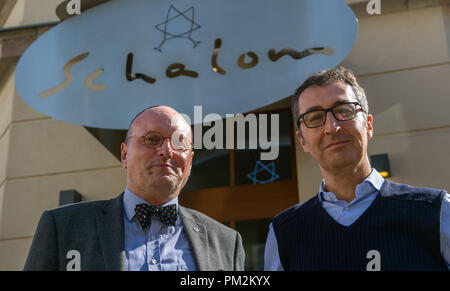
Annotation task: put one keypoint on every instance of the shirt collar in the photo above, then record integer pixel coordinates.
(370, 185)
(130, 200)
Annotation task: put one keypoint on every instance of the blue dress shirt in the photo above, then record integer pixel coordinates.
(347, 213)
(159, 247)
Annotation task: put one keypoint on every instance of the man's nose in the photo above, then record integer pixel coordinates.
(331, 125)
(165, 149)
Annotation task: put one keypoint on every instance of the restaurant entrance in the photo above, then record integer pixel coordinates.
(237, 188)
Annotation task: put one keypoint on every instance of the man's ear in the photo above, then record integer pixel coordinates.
(123, 155)
(369, 126)
(302, 142)
(189, 171)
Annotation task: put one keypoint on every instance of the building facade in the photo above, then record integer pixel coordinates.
(401, 58)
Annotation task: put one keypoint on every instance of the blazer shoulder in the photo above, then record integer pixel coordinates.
(204, 219)
(84, 207)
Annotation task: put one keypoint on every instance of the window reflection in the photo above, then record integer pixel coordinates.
(250, 169)
(210, 168)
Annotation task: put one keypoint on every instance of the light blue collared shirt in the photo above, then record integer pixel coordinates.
(159, 247)
(347, 213)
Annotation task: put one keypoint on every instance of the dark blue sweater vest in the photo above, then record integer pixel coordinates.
(402, 224)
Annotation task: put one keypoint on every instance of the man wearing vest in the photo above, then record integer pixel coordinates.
(358, 221)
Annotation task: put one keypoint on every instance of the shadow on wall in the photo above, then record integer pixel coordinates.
(109, 138)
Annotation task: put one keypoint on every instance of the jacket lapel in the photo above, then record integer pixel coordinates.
(197, 236)
(110, 230)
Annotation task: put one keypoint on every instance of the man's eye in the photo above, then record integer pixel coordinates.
(152, 140)
(344, 110)
(315, 116)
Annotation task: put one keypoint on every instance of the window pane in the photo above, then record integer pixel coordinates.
(249, 167)
(254, 235)
(210, 168)
(251, 170)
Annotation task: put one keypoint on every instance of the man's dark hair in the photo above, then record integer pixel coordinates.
(324, 78)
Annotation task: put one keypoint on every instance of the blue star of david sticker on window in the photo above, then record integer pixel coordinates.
(178, 25)
(260, 167)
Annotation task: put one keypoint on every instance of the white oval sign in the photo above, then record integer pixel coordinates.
(102, 67)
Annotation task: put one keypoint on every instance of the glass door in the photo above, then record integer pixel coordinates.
(238, 188)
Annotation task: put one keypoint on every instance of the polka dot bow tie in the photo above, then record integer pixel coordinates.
(167, 214)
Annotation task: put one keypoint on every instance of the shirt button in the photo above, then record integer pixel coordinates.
(327, 197)
(154, 262)
(347, 208)
(153, 237)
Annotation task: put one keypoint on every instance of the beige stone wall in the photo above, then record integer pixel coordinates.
(44, 156)
(402, 60)
(27, 12)
(40, 156)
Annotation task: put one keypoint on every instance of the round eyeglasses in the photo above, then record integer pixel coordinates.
(154, 139)
(318, 117)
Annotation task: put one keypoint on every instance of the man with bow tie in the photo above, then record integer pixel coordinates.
(144, 228)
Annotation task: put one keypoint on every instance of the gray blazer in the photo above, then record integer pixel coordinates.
(96, 231)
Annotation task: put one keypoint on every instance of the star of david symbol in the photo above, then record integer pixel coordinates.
(260, 167)
(178, 25)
